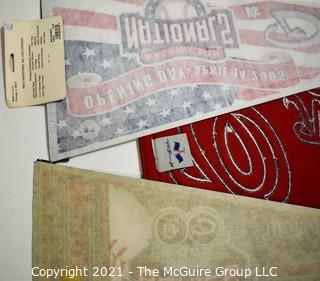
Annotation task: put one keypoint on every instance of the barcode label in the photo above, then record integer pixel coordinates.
(57, 31)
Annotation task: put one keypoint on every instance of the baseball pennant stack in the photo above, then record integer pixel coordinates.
(224, 97)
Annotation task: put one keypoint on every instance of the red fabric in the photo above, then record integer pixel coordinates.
(270, 151)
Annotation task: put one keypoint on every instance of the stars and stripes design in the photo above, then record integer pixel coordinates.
(94, 55)
(149, 112)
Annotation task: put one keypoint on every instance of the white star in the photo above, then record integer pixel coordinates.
(165, 113)
(68, 62)
(218, 106)
(173, 93)
(106, 64)
(62, 123)
(89, 52)
(225, 88)
(207, 95)
(151, 102)
(105, 121)
(76, 134)
(119, 131)
(142, 124)
(186, 105)
(133, 60)
(129, 110)
(131, 57)
(198, 114)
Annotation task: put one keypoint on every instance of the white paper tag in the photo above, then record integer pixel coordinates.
(172, 152)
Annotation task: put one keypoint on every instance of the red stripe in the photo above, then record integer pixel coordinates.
(134, 2)
(105, 98)
(86, 18)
